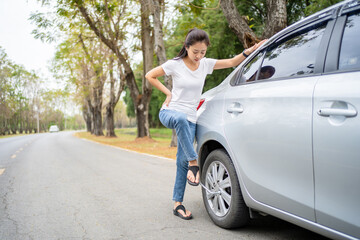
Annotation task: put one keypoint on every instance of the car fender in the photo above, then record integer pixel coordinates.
(212, 140)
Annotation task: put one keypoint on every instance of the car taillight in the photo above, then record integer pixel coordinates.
(200, 103)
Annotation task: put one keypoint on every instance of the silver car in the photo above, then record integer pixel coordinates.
(281, 134)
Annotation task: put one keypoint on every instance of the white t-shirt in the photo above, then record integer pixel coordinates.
(187, 85)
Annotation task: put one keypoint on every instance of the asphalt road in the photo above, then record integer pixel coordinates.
(56, 186)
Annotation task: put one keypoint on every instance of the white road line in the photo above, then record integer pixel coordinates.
(2, 170)
(13, 156)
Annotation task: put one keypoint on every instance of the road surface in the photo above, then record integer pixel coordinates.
(56, 186)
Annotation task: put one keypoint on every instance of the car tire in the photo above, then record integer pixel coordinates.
(222, 194)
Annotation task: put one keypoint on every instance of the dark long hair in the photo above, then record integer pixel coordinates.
(193, 36)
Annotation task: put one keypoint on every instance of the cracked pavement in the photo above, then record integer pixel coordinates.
(60, 187)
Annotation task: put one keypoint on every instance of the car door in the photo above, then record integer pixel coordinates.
(337, 131)
(268, 123)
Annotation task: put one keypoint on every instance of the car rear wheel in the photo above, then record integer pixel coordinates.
(222, 195)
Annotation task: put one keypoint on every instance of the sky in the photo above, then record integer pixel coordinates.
(17, 41)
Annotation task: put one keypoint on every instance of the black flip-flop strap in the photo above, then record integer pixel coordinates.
(194, 170)
(180, 207)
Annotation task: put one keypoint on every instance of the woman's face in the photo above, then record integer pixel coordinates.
(196, 51)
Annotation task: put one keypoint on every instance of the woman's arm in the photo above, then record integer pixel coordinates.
(232, 62)
(152, 76)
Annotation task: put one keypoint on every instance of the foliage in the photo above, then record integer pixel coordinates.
(21, 94)
(121, 118)
(224, 43)
(317, 5)
(75, 122)
(23, 100)
(129, 103)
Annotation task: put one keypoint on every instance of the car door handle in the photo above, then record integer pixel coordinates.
(326, 112)
(233, 109)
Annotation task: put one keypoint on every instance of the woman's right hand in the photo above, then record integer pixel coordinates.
(152, 76)
(167, 100)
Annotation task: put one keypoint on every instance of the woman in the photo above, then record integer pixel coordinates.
(188, 71)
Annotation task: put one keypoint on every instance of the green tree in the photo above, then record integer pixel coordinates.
(109, 20)
(314, 6)
(223, 43)
(23, 102)
(19, 89)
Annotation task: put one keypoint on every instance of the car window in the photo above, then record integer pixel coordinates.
(293, 56)
(249, 71)
(350, 45)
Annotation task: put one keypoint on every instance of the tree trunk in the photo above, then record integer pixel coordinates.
(238, 24)
(110, 107)
(110, 127)
(13, 124)
(97, 90)
(86, 108)
(20, 118)
(87, 116)
(97, 105)
(26, 123)
(147, 47)
(109, 117)
(140, 103)
(97, 121)
(159, 39)
(276, 17)
(161, 52)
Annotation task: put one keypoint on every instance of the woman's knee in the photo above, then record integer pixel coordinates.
(181, 121)
(166, 119)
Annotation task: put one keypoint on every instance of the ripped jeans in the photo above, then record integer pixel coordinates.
(185, 131)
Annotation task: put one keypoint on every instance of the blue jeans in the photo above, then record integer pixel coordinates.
(185, 131)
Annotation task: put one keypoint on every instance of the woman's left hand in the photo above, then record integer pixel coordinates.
(254, 47)
(167, 100)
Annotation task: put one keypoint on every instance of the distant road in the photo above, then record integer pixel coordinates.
(56, 186)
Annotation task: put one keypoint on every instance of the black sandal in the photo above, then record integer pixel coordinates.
(194, 170)
(176, 213)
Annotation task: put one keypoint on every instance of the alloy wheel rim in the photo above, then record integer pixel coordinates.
(219, 183)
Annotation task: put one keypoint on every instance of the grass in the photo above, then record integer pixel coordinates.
(14, 135)
(157, 145)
